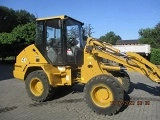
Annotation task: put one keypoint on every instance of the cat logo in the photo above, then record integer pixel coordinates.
(23, 60)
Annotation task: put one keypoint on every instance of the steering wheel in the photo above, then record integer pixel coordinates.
(72, 42)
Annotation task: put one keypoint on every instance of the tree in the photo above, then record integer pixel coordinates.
(110, 37)
(11, 18)
(88, 30)
(8, 19)
(73, 32)
(155, 56)
(150, 36)
(21, 36)
(16, 25)
(24, 17)
(17, 30)
(25, 33)
(6, 38)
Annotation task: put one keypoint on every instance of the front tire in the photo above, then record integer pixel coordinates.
(123, 78)
(38, 87)
(101, 91)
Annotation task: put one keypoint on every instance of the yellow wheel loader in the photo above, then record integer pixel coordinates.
(60, 57)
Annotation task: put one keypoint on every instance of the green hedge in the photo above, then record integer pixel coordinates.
(155, 56)
(7, 50)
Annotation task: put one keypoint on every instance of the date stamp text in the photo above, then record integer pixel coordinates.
(132, 102)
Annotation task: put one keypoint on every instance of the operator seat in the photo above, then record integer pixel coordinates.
(51, 53)
(78, 56)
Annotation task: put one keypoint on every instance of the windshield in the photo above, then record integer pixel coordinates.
(74, 30)
(51, 30)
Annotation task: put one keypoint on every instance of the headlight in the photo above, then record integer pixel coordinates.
(62, 69)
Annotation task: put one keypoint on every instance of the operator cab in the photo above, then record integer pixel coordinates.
(60, 40)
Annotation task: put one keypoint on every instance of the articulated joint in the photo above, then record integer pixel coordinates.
(123, 68)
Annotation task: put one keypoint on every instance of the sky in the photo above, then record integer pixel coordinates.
(124, 17)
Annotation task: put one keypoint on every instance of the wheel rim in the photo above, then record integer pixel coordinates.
(36, 86)
(102, 95)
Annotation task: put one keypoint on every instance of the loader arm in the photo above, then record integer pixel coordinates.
(130, 60)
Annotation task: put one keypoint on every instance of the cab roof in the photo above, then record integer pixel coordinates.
(60, 17)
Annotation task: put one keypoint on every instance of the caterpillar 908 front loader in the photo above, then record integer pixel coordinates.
(59, 57)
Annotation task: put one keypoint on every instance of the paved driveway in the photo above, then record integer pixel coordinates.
(69, 105)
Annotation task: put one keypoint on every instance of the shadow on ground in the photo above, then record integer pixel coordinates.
(64, 90)
(147, 88)
(61, 92)
(125, 104)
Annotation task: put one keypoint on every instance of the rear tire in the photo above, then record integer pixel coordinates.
(38, 87)
(101, 91)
